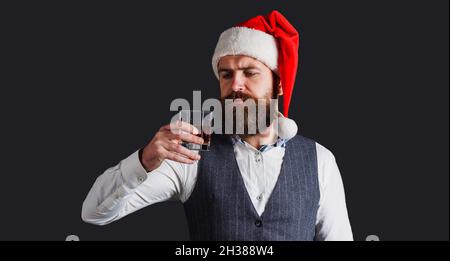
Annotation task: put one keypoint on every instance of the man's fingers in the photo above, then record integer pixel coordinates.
(179, 131)
(178, 158)
(179, 126)
(173, 147)
(187, 137)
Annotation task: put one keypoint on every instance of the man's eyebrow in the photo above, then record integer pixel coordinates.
(238, 69)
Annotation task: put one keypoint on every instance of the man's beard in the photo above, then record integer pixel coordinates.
(249, 118)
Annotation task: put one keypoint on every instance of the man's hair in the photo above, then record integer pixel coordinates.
(276, 83)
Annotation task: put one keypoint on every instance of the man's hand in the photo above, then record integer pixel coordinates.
(166, 145)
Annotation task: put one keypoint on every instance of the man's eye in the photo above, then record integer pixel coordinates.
(250, 73)
(226, 75)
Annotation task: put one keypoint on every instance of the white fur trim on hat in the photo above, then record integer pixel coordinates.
(246, 41)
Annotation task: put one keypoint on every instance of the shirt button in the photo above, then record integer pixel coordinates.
(260, 197)
(141, 179)
(258, 223)
(257, 157)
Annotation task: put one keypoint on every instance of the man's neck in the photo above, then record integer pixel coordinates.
(260, 139)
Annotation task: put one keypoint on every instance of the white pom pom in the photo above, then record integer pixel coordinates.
(287, 128)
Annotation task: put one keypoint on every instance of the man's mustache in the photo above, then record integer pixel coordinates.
(237, 95)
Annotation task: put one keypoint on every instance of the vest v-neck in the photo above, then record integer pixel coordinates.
(241, 182)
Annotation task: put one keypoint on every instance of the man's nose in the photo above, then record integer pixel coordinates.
(238, 83)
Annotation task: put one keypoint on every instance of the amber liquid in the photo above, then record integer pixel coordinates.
(206, 138)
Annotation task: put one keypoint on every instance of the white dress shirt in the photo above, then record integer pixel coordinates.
(127, 187)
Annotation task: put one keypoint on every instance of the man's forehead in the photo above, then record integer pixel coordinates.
(239, 61)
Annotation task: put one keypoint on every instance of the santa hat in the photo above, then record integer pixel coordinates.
(270, 39)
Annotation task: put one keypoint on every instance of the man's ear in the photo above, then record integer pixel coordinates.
(280, 90)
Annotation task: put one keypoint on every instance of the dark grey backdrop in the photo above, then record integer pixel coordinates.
(85, 85)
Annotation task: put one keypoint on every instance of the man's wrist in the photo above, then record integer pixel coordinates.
(141, 152)
(133, 172)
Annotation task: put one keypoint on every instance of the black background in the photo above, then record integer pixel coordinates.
(84, 85)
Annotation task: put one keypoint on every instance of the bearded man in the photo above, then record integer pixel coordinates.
(272, 184)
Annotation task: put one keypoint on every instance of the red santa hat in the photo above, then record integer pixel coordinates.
(270, 39)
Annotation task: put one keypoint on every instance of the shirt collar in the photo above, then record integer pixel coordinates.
(278, 143)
